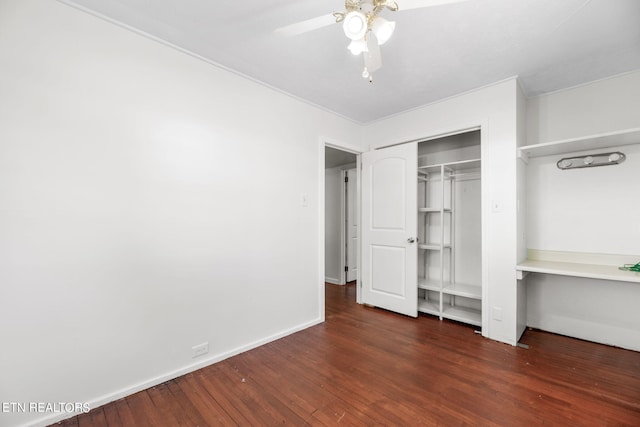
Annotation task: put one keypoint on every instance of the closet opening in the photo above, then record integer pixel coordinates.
(422, 227)
(450, 228)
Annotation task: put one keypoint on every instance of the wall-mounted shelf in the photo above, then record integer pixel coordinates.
(591, 266)
(591, 142)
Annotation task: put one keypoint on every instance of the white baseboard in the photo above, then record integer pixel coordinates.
(127, 391)
(332, 280)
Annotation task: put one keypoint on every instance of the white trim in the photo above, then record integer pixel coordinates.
(343, 227)
(485, 201)
(110, 397)
(436, 134)
(359, 207)
(350, 148)
(343, 146)
(321, 227)
(332, 280)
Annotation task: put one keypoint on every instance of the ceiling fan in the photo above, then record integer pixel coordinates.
(363, 25)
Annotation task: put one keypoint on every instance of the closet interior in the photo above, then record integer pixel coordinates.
(450, 228)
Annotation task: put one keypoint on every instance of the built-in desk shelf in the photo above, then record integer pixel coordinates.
(591, 266)
(591, 142)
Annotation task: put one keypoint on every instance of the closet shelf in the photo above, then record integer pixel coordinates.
(429, 307)
(433, 246)
(463, 290)
(429, 285)
(462, 314)
(592, 142)
(435, 210)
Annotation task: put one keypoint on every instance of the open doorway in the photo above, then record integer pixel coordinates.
(341, 217)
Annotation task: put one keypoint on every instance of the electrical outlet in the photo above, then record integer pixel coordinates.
(200, 349)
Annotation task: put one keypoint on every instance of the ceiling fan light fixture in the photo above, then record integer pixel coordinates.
(383, 29)
(355, 25)
(356, 47)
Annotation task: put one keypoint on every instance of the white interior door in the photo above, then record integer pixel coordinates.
(352, 224)
(389, 228)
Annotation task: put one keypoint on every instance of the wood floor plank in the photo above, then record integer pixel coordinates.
(167, 406)
(112, 416)
(124, 412)
(187, 405)
(302, 400)
(143, 410)
(366, 366)
(210, 405)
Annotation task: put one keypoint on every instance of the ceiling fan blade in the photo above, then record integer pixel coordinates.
(415, 4)
(306, 26)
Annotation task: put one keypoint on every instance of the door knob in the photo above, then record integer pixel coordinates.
(411, 240)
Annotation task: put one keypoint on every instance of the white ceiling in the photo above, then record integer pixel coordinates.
(435, 52)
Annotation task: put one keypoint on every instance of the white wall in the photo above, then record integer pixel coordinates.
(149, 202)
(603, 106)
(585, 210)
(493, 108)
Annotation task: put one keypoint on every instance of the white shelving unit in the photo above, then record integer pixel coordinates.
(439, 293)
(581, 226)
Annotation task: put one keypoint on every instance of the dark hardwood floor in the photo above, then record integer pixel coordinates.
(366, 366)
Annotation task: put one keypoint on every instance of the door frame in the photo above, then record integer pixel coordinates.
(344, 224)
(350, 148)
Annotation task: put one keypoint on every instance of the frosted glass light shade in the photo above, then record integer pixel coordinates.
(357, 46)
(383, 29)
(355, 25)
